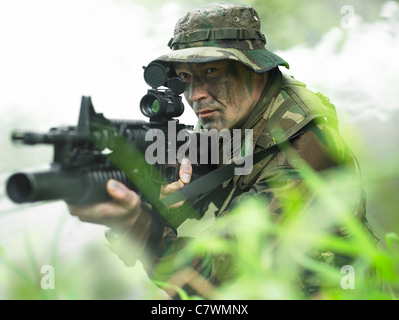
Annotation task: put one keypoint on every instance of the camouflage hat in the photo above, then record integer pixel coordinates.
(221, 31)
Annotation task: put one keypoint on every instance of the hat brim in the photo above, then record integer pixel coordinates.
(259, 60)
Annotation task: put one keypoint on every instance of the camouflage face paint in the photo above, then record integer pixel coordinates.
(221, 93)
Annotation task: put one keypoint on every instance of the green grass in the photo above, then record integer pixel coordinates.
(277, 258)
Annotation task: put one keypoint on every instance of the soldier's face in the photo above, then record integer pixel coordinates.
(222, 93)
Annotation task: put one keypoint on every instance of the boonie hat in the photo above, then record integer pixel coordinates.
(220, 31)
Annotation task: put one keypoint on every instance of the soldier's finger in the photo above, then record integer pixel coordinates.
(176, 205)
(185, 171)
(171, 187)
(98, 212)
(125, 197)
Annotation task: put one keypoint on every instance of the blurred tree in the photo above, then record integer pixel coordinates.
(289, 23)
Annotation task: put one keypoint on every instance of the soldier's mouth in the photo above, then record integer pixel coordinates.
(206, 113)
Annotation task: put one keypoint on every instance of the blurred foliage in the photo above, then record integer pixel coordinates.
(288, 23)
(277, 258)
(271, 255)
(93, 272)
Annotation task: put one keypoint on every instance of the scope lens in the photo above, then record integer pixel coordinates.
(151, 105)
(161, 105)
(155, 106)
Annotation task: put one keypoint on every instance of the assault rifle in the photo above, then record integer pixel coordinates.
(86, 156)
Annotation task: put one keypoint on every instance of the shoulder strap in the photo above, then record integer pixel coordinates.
(215, 178)
(282, 109)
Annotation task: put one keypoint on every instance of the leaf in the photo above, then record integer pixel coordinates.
(389, 237)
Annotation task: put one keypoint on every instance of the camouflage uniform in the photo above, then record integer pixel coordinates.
(230, 31)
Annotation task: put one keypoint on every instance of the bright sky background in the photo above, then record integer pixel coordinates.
(54, 51)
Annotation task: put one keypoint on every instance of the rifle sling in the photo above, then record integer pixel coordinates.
(209, 182)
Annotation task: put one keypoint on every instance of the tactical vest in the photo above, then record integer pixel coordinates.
(290, 111)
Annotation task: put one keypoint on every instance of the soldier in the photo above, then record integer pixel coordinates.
(232, 82)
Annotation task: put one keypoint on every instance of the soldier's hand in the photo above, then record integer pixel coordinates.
(130, 225)
(185, 173)
(120, 213)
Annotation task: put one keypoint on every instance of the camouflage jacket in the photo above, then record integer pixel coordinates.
(285, 108)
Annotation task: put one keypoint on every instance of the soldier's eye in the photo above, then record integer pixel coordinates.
(210, 70)
(185, 76)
